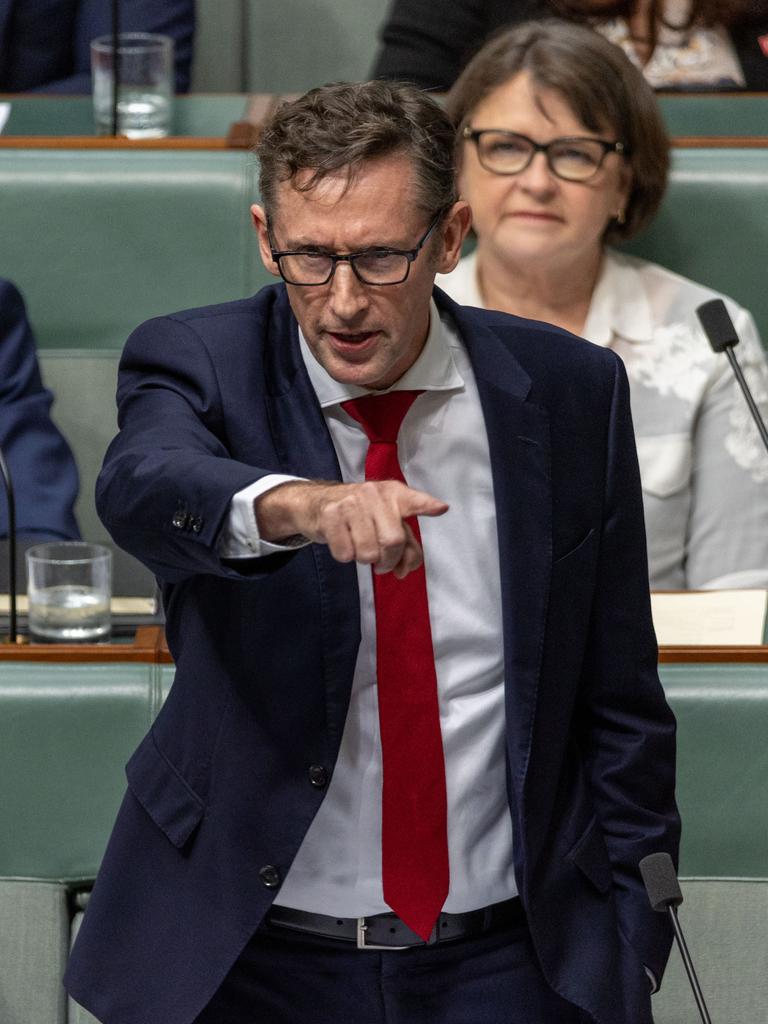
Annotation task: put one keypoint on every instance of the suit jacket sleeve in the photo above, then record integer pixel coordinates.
(625, 727)
(168, 478)
(174, 18)
(42, 466)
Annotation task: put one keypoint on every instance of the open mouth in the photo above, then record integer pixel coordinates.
(350, 340)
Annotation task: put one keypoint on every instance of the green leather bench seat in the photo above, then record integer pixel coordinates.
(66, 731)
(99, 240)
(715, 115)
(83, 383)
(713, 224)
(722, 788)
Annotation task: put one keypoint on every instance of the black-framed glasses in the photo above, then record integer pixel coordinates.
(573, 158)
(378, 265)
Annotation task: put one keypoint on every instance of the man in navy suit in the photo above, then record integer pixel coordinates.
(45, 44)
(40, 462)
(254, 864)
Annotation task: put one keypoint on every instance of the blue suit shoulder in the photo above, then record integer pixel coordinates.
(267, 303)
(548, 354)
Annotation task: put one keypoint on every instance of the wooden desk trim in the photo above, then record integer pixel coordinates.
(148, 647)
(719, 142)
(694, 654)
(109, 142)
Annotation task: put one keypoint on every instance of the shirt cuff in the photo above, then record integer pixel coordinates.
(239, 536)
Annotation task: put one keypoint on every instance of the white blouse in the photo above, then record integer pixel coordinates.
(697, 57)
(704, 470)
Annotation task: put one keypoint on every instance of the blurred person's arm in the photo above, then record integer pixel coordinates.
(174, 18)
(40, 461)
(427, 42)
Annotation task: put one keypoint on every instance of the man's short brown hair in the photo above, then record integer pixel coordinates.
(341, 126)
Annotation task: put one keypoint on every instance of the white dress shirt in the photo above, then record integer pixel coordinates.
(704, 471)
(443, 449)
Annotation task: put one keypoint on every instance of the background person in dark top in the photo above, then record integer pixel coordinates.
(41, 464)
(428, 42)
(45, 44)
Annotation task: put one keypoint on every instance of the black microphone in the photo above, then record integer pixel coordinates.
(665, 896)
(11, 503)
(722, 336)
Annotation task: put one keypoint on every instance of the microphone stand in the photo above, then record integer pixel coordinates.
(11, 502)
(688, 964)
(722, 337)
(761, 428)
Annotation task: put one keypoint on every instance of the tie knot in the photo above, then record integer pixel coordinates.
(380, 416)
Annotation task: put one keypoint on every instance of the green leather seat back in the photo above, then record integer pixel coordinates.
(66, 732)
(295, 45)
(726, 930)
(34, 936)
(716, 115)
(722, 789)
(99, 240)
(713, 225)
(722, 783)
(83, 384)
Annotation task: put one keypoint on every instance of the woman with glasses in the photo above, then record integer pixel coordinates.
(562, 151)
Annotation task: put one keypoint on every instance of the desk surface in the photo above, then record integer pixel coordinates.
(200, 116)
(210, 115)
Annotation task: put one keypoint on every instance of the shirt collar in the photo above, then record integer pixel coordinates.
(619, 306)
(434, 369)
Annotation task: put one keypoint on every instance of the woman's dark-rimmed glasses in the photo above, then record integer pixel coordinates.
(573, 158)
(379, 265)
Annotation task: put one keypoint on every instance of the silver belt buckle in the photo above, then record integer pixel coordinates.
(362, 928)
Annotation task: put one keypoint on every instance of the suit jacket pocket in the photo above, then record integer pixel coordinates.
(591, 857)
(582, 546)
(163, 793)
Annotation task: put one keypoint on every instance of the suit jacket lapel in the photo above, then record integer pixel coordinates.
(518, 438)
(305, 449)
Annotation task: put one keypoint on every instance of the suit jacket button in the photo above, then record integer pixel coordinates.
(270, 876)
(196, 524)
(318, 775)
(180, 519)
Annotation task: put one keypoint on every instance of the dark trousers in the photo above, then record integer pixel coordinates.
(286, 977)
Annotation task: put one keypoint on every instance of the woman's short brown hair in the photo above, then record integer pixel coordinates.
(599, 83)
(340, 126)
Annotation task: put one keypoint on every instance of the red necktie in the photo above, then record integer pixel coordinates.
(414, 819)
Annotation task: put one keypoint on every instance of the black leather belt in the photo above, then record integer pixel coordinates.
(387, 931)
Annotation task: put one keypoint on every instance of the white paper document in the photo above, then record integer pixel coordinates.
(720, 618)
(118, 605)
(5, 113)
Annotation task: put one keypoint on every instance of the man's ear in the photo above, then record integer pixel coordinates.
(259, 217)
(453, 231)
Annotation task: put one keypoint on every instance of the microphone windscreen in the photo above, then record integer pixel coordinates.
(717, 324)
(660, 880)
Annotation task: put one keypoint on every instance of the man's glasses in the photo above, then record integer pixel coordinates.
(380, 266)
(575, 158)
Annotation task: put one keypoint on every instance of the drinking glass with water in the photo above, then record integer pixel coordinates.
(144, 84)
(69, 586)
